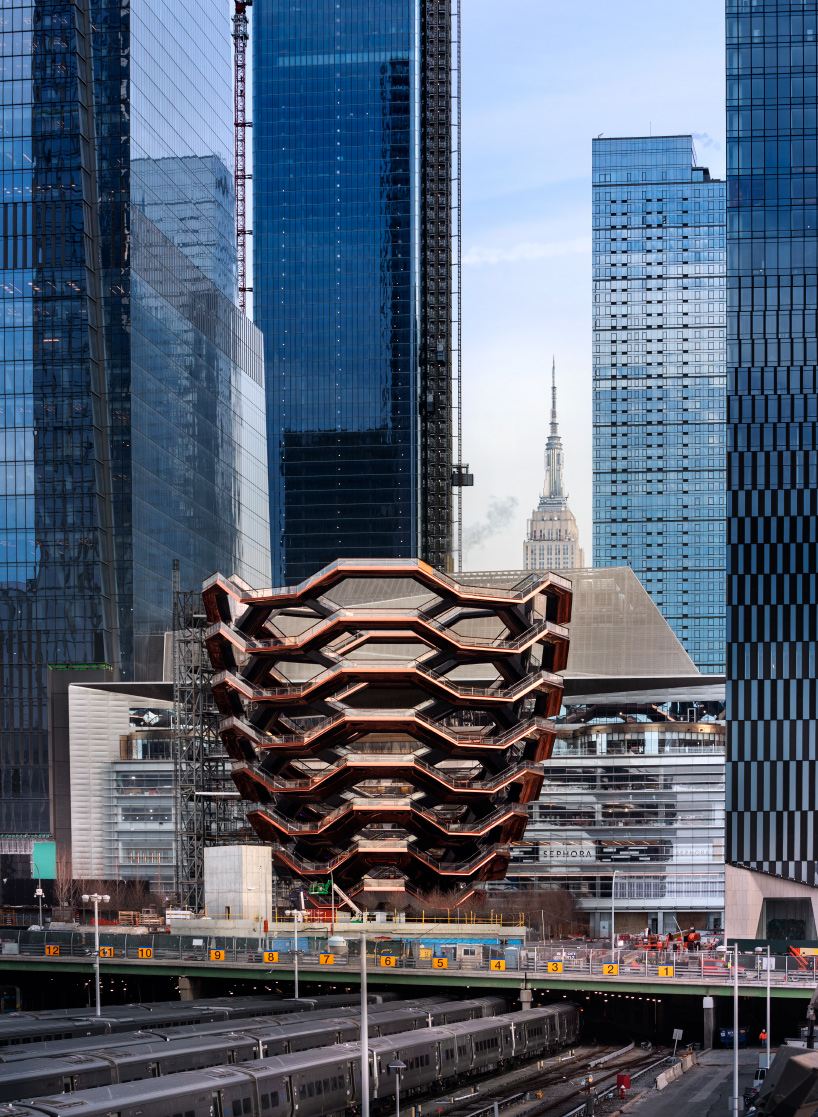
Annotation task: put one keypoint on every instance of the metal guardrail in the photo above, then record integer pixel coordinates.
(641, 966)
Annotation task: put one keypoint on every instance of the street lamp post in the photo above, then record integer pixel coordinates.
(332, 903)
(768, 1008)
(364, 1029)
(96, 899)
(613, 910)
(39, 893)
(735, 1033)
(397, 1067)
(260, 871)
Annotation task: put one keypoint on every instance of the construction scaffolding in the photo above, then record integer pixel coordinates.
(209, 809)
(443, 472)
(241, 37)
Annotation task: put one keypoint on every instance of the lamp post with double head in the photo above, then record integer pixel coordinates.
(38, 892)
(96, 899)
(396, 1068)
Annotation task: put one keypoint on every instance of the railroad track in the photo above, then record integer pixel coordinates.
(527, 1080)
(568, 1103)
(510, 1087)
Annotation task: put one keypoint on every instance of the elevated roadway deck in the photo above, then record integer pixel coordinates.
(587, 976)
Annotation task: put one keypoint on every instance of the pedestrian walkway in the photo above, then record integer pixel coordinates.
(705, 1090)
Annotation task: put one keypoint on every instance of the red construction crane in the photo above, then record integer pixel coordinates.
(240, 38)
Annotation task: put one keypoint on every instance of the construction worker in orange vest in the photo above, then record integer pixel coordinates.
(763, 1037)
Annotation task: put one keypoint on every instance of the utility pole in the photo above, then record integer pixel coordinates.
(364, 1033)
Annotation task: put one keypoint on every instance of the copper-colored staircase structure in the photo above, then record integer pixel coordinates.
(386, 721)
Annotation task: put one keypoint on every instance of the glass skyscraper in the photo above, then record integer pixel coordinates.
(352, 132)
(132, 428)
(659, 380)
(772, 353)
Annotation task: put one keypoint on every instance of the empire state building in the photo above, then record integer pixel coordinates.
(552, 541)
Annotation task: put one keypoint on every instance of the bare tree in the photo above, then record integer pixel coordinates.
(552, 910)
(65, 890)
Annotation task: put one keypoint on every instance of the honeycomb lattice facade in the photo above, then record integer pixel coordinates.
(387, 723)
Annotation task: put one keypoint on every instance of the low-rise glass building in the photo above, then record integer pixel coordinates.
(633, 803)
(122, 802)
(631, 813)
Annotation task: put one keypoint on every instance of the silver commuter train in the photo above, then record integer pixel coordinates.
(156, 1057)
(326, 1082)
(68, 1023)
(84, 1043)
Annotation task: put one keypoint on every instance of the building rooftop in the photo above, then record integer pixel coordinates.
(619, 641)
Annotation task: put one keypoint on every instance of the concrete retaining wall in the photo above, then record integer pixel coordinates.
(676, 1071)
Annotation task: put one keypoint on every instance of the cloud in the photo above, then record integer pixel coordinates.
(499, 516)
(528, 250)
(706, 140)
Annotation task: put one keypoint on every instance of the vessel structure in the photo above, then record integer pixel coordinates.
(387, 724)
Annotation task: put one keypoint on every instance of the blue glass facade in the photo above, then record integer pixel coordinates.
(772, 354)
(659, 381)
(132, 394)
(351, 275)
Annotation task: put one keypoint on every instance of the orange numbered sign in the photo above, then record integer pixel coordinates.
(388, 960)
(610, 969)
(326, 959)
(216, 955)
(555, 967)
(106, 952)
(497, 964)
(51, 949)
(270, 956)
(440, 963)
(146, 952)
(666, 971)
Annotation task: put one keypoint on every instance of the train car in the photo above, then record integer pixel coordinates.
(324, 1082)
(156, 1055)
(568, 1024)
(86, 1044)
(18, 1028)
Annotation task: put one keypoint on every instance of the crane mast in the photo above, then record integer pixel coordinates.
(240, 38)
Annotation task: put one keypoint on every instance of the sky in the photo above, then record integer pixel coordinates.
(540, 79)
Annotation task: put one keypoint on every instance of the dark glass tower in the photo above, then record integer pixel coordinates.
(132, 396)
(352, 276)
(772, 353)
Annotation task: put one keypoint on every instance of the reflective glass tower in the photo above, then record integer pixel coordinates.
(772, 354)
(132, 429)
(352, 132)
(659, 381)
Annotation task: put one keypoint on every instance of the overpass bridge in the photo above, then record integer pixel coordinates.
(523, 973)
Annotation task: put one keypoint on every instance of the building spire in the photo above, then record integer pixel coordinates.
(553, 395)
(554, 490)
(552, 539)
